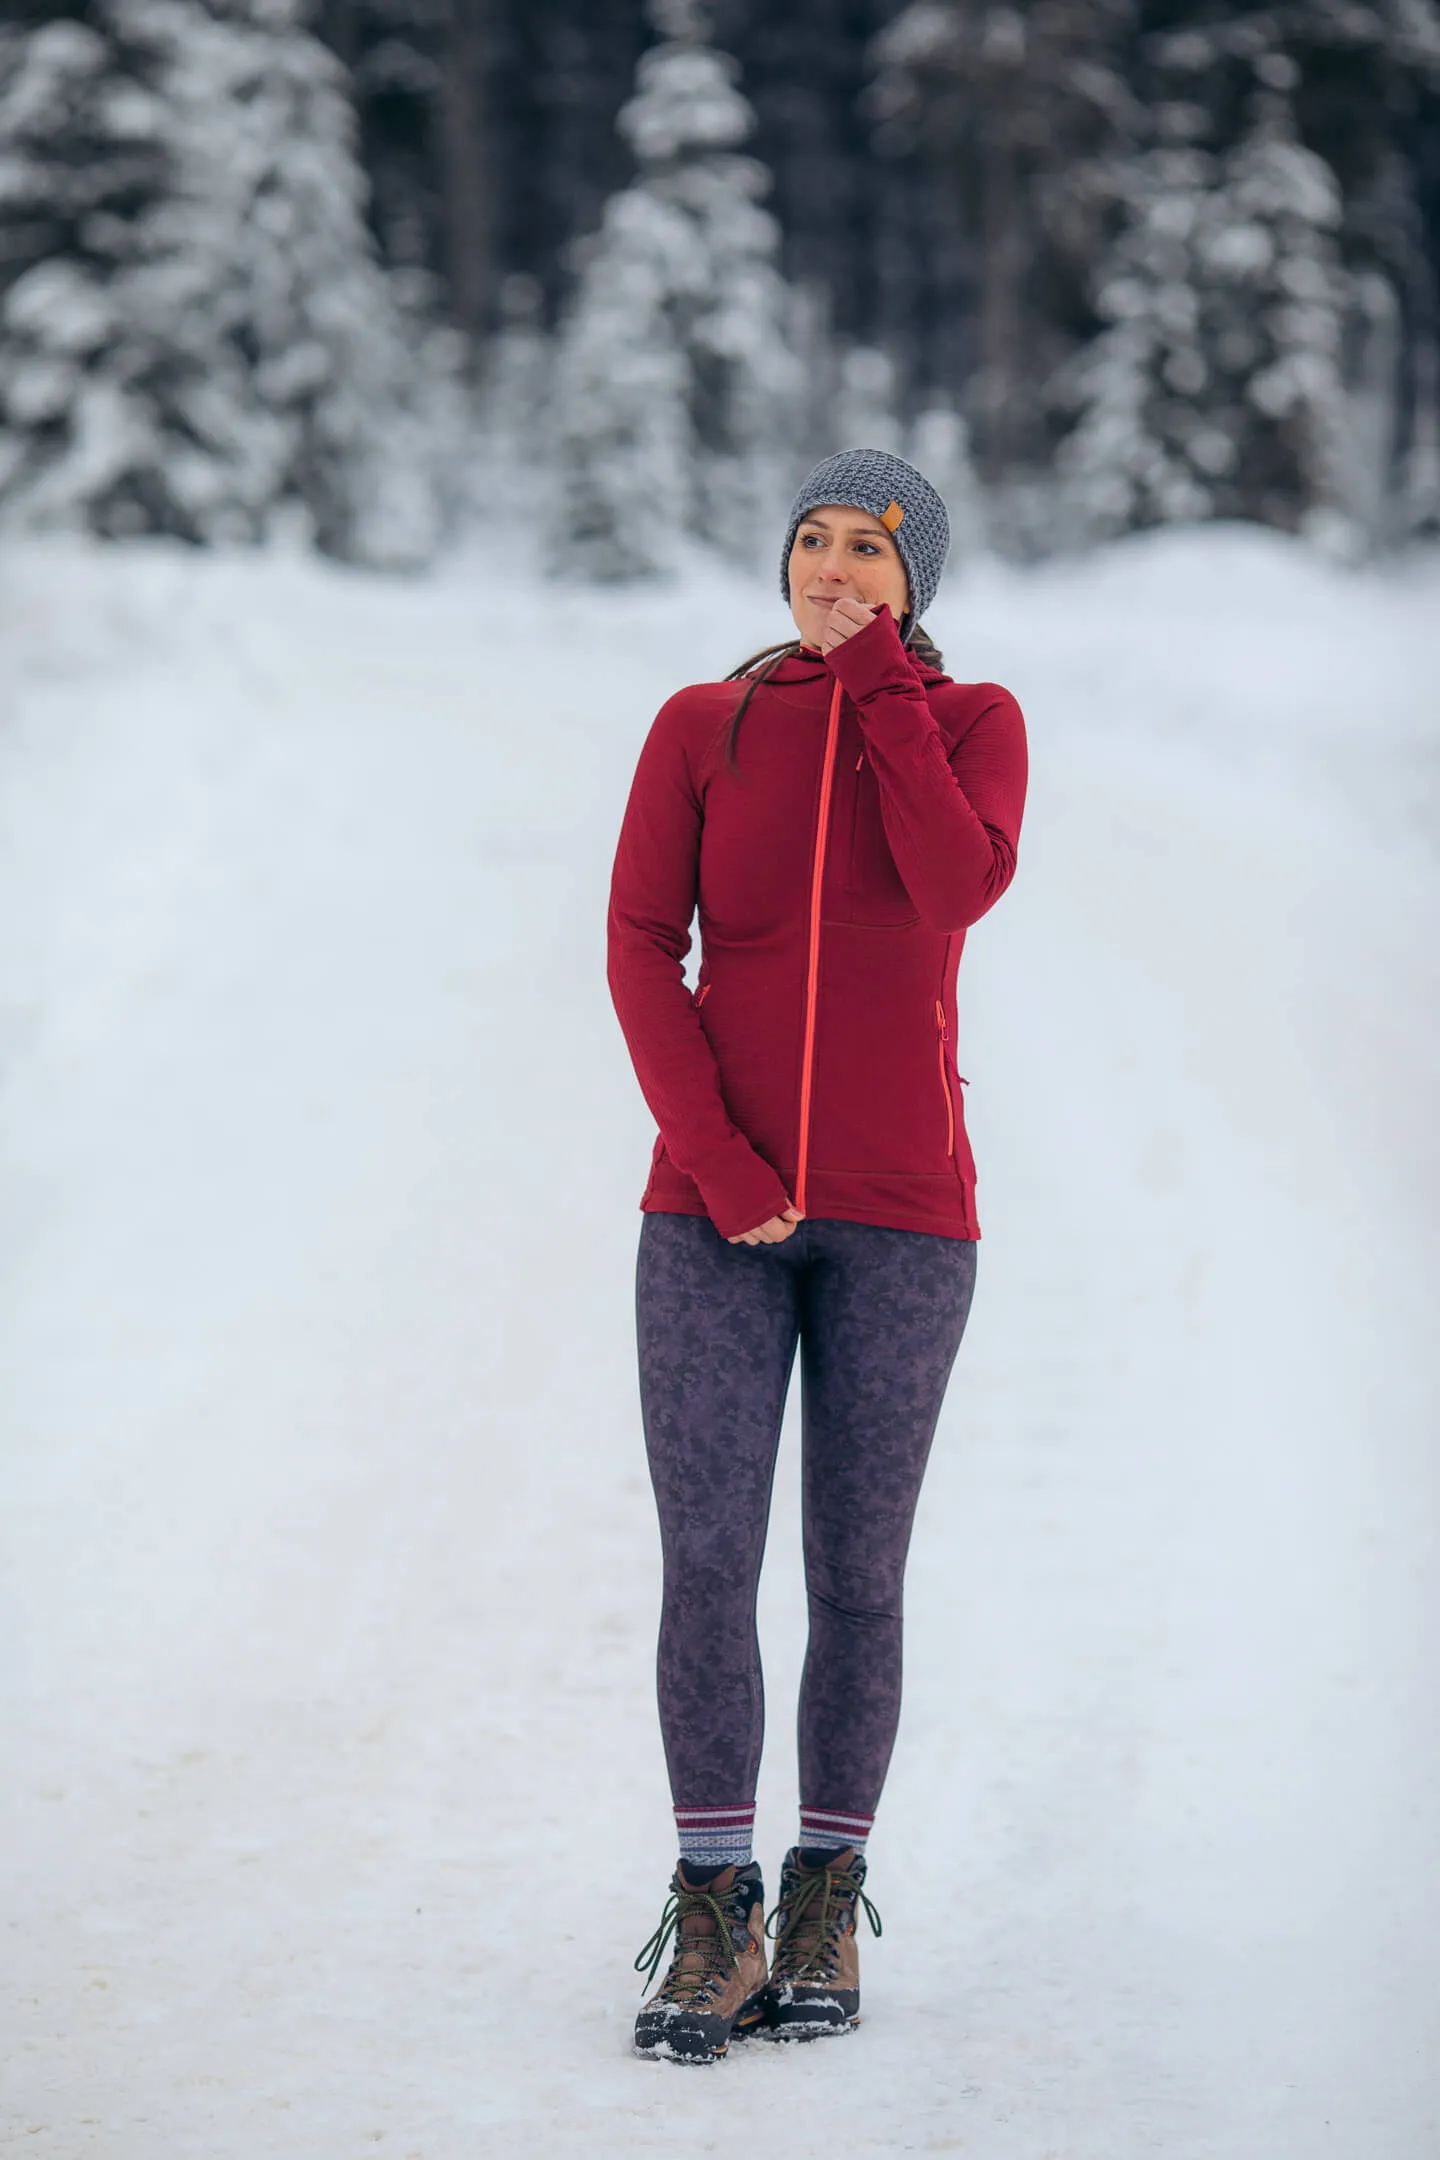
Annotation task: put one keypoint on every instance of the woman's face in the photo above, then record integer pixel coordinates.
(841, 553)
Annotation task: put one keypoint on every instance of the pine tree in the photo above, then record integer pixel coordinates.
(242, 350)
(677, 387)
(1367, 100)
(83, 161)
(1216, 390)
(1070, 146)
(1261, 266)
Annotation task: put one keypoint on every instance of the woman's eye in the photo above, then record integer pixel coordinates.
(866, 547)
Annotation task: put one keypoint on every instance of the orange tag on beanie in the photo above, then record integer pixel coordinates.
(892, 517)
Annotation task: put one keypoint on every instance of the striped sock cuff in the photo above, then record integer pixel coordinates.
(716, 1836)
(827, 1826)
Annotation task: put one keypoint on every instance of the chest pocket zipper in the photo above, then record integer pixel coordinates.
(851, 869)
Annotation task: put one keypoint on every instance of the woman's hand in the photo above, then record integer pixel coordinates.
(773, 1232)
(842, 619)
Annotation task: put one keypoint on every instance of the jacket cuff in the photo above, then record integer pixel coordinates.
(739, 1188)
(874, 660)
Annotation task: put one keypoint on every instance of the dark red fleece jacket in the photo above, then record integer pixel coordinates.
(874, 816)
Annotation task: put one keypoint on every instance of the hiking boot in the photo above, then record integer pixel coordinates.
(716, 1982)
(815, 1972)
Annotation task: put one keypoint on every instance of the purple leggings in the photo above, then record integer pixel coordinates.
(878, 1315)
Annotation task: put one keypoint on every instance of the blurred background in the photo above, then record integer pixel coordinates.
(1105, 264)
(398, 402)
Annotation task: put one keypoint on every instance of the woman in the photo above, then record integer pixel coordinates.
(840, 822)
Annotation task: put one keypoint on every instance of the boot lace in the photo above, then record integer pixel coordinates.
(714, 1955)
(807, 1947)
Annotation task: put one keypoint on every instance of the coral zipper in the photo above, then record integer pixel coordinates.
(945, 1083)
(812, 976)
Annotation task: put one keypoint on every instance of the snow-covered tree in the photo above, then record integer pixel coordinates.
(677, 388)
(214, 341)
(82, 161)
(1217, 387)
(1262, 276)
(1070, 144)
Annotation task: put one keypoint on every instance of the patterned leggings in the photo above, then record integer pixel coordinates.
(878, 1315)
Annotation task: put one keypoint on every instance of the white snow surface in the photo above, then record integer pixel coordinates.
(334, 1808)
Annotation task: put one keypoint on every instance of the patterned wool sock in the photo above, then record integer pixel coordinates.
(828, 1830)
(716, 1837)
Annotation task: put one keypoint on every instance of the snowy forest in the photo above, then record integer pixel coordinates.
(1098, 265)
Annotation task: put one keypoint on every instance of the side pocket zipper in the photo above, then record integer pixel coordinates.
(945, 1081)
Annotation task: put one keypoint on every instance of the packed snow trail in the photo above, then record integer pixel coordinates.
(334, 1808)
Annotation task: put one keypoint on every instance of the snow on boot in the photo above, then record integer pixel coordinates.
(716, 1982)
(815, 1973)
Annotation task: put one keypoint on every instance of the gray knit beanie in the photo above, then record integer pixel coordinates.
(904, 502)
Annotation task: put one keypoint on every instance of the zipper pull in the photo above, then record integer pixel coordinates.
(940, 1016)
(859, 761)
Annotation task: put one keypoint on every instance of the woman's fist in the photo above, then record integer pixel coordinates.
(773, 1232)
(842, 619)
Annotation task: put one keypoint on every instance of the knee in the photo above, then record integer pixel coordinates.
(856, 1601)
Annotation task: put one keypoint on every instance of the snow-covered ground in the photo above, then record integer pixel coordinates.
(333, 1803)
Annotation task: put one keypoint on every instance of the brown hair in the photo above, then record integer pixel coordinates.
(762, 665)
